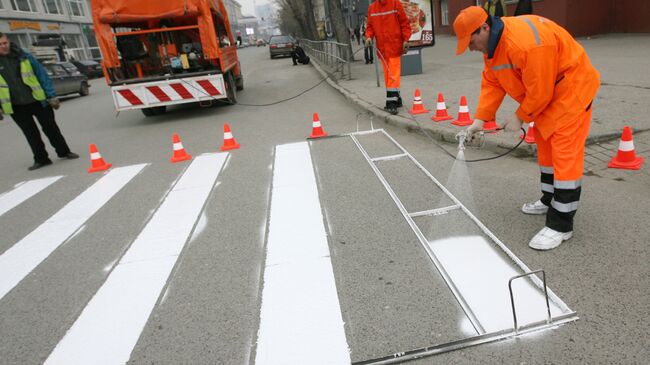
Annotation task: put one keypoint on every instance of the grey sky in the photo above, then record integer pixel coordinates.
(247, 5)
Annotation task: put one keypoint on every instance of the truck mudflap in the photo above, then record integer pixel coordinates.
(168, 92)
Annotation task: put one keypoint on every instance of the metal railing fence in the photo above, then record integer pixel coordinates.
(337, 57)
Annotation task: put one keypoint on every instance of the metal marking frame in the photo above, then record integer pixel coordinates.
(483, 336)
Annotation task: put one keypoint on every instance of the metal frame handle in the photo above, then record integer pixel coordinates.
(512, 298)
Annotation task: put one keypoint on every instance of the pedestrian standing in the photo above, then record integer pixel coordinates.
(524, 7)
(389, 25)
(367, 48)
(26, 92)
(538, 64)
(357, 35)
(495, 7)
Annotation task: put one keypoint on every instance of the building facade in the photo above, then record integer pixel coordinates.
(579, 17)
(27, 21)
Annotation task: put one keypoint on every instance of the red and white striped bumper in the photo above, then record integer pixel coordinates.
(168, 92)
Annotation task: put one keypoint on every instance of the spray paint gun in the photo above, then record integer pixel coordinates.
(475, 140)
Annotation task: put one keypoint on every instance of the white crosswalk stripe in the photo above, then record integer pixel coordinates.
(19, 260)
(299, 320)
(110, 325)
(24, 191)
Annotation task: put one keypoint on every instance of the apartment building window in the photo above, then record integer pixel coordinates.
(77, 7)
(24, 5)
(53, 6)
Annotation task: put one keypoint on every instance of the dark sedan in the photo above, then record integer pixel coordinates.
(66, 79)
(280, 45)
(89, 68)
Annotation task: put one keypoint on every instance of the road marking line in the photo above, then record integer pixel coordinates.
(300, 317)
(481, 272)
(109, 327)
(24, 256)
(19, 194)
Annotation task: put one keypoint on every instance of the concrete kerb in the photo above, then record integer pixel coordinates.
(440, 134)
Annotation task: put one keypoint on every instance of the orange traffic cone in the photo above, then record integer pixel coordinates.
(490, 126)
(317, 128)
(97, 163)
(418, 106)
(229, 142)
(179, 151)
(441, 110)
(530, 134)
(626, 157)
(463, 114)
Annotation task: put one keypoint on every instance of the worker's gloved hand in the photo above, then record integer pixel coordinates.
(473, 130)
(405, 46)
(54, 103)
(368, 42)
(513, 123)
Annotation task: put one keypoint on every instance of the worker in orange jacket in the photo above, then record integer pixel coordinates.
(389, 25)
(538, 64)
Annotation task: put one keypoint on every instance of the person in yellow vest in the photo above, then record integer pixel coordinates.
(495, 7)
(26, 92)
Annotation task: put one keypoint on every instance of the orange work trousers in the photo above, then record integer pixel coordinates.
(561, 159)
(392, 70)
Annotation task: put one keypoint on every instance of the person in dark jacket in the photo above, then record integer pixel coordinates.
(26, 92)
(524, 7)
(298, 54)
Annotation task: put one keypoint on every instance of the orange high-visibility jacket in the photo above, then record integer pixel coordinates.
(543, 68)
(389, 25)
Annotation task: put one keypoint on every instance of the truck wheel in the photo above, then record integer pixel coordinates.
(231, 88)
(156, 110)
(239, 82)
(83, 90)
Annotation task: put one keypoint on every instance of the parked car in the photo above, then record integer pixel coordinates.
(66, 79)
(89, 68)
(260, 43)
(280, 45)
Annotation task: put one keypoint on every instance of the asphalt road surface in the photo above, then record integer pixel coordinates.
(161, 263)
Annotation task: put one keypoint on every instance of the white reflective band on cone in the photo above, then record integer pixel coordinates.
(417, 98)
(463, 109)
(316, 123)
(178, 146)
(441, 106)
(95, 156)
(626, 146)
(227, 135)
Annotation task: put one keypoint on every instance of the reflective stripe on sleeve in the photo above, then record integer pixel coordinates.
(534, 30)
(384, 13)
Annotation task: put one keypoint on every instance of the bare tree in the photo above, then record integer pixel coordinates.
(303, 15)
(341, 32)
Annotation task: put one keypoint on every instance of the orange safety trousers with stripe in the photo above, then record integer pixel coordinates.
(561, 159)
(392, 69)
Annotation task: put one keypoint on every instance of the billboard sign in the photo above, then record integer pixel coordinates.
(420, 15)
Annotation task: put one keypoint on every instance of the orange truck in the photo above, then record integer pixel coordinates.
(167, 52)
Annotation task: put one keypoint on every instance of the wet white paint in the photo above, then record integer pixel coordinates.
(23, 191)
(481, 274)
(110, 325)
(300, 319)
(200, 226)
(23, 257)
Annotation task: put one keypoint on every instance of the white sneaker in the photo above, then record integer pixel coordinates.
(536, 208)
(547, 239)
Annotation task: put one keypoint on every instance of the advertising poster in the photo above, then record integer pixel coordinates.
(420, 15)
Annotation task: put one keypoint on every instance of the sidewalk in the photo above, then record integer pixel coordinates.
(623, 98)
